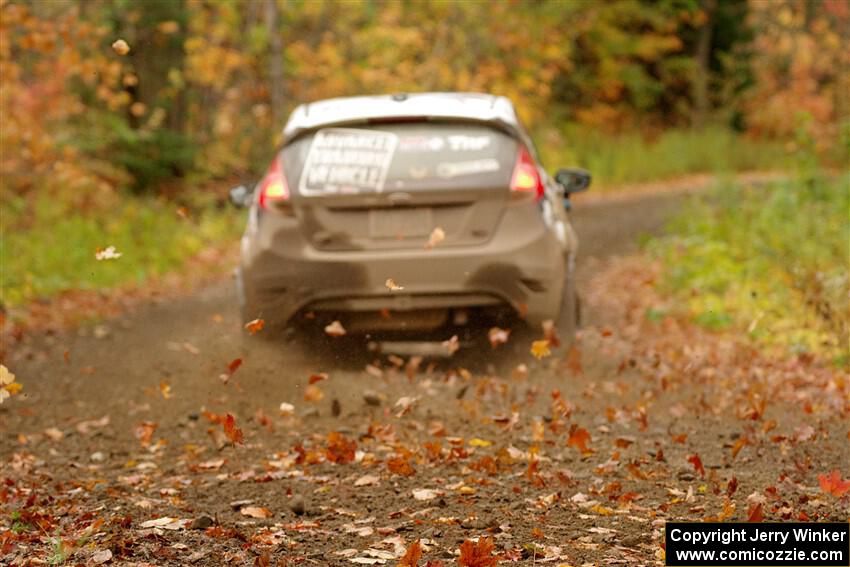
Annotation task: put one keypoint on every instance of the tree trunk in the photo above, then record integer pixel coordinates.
(703, 62)
(276, 90)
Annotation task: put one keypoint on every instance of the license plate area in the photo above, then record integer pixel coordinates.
(400, 224)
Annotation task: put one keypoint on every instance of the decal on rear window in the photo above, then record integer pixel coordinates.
(347, 160)
(453, 169)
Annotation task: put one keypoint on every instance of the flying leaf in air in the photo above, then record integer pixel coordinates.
(120, 47)
(437, 236)
(233, 433)
(108, 253)
(335, 329)
(540, 349)
(255, 326)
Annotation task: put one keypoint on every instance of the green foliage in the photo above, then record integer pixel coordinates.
(47, 249)
(770, 259)
(632, 158)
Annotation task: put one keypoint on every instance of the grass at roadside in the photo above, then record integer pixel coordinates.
(47, 248)
(632, 158)
(771, 260)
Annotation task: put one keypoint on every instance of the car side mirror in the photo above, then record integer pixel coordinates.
(573, 179)
(240, 196)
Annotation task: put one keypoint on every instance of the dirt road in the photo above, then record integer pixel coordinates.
(569, 460)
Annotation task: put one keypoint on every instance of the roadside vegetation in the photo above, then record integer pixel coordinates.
(769, 259)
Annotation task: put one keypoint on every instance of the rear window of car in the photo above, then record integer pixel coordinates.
(400, 156)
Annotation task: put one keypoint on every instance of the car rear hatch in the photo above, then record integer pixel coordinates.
(387, 186)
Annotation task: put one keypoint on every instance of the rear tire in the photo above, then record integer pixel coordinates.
(569, 315)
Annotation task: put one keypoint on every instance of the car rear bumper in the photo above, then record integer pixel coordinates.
(522, 266)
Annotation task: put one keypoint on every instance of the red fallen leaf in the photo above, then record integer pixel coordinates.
(634, 470)
(411, 556)
(732, 486)
(318, 377)
(574, 361)
(697, 463)
(477, 554)
(832, 484)
(255, 326)
(144, 432)
(339, 450)
(400, 465)
(579, 438)
(233, 433)
(755, 513)
(537, 533)
(234, 365)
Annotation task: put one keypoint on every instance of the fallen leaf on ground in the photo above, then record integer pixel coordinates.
(424, 493)
(755, 514)
(335, 329)
(367, 480)
(166, 523)
(102, 556)
(255, 326)
(412, 555)
(54, 434)
(144, 432)
(340, 450)
(832, 484)
(477, 553)
(256, 512)
(579, 438)
(165, 389)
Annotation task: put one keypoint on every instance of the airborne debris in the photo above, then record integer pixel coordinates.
(255, 326)
(120, 47)
(108, 253)
(437, 236)
(335, 329)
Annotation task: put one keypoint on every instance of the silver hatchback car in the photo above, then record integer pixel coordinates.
(408, 212)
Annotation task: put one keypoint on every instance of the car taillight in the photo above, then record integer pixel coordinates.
(526, 178)
(273, 187)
